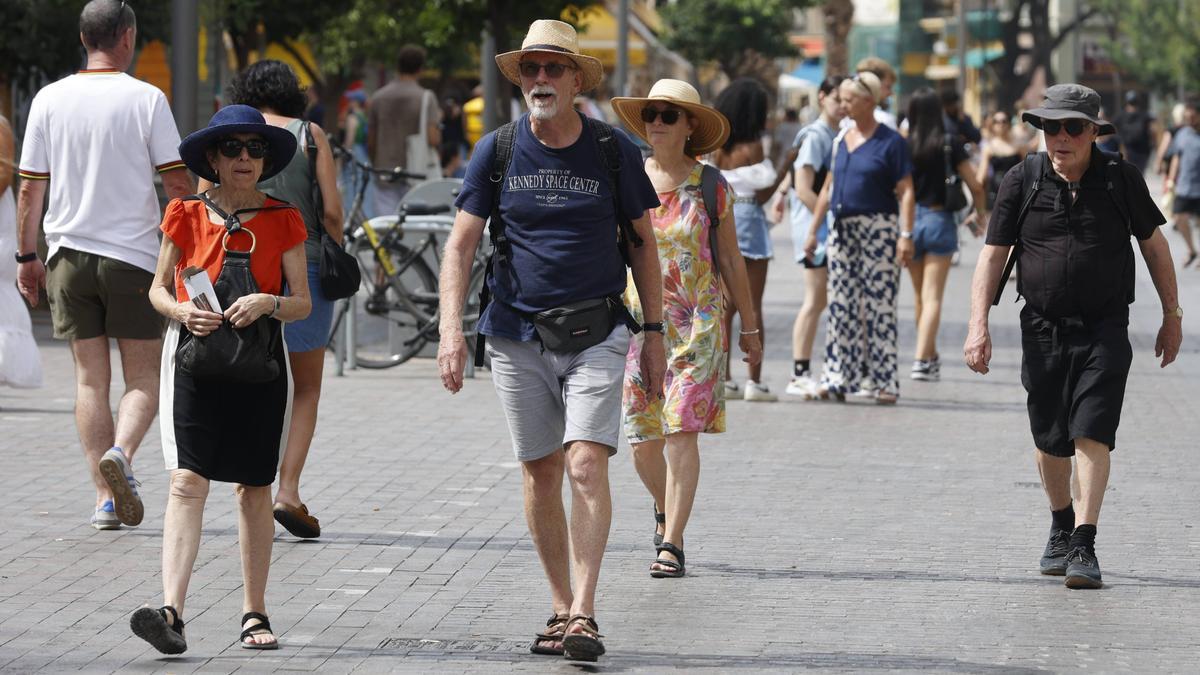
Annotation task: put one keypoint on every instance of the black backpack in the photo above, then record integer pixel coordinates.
(1033, 169)
(606, 142)
(502, 153)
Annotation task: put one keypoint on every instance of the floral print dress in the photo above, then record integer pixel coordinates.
(695, 339)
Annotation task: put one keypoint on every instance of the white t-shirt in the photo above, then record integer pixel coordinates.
(98, 137)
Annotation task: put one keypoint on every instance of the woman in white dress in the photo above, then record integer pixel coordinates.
(20, 364)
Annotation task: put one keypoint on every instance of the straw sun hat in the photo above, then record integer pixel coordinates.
(711, 126)
(551, 37)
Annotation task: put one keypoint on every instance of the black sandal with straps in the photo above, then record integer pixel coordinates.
(674, 569)
(543, 643)
(263, 625)
(151, 625)
(660, 518)
(584, 645)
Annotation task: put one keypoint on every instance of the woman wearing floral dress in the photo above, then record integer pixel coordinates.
(673, 121)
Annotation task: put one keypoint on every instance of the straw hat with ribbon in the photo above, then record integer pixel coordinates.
(711, 126)
(552, 37)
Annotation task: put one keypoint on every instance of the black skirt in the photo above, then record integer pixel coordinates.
(232, 432)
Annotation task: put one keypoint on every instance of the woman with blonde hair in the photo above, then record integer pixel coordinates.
(870, 191)
(695, 260)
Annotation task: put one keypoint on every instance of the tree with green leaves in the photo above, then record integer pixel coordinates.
(39, 40)
(735, 34)
(1157, 42)
(1029, 42)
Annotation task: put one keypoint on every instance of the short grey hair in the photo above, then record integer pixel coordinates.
(103, 22)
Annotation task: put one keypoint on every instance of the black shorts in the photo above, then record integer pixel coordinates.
(1074, 373)
(1186, 205)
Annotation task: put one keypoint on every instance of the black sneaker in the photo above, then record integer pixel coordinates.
(1054, 558)
(1083, 570)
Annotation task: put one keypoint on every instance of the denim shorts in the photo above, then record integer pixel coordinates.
(311, 332)
(935, 232)
(753, 231)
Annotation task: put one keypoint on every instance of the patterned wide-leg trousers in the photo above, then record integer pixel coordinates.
(860, 336)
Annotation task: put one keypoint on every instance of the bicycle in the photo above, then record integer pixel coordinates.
(395, 313)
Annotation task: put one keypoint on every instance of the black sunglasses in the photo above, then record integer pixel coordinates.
(232, 147)
(1074, 126)
(553, 70)
(120, 15)
(669, 116)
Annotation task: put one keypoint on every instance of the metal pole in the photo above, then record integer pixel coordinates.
(185, 43)
(621, 84)
(491, 83)
(961, 14)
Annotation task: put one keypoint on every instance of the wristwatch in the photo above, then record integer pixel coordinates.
(906, 234)
(653, 327)
(1177, 312)
(27, 257)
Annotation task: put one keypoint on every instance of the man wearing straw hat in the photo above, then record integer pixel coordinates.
(1070, 213)
(554, 227)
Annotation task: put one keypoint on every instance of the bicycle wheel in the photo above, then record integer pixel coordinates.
(393, 312)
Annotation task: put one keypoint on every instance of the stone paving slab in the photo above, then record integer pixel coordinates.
(838, 538)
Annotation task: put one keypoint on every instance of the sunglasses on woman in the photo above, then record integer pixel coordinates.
(553, 70)
(1074, 126)
(669, 116)
(232, 147)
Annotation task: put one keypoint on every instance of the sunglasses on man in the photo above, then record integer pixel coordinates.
(232, 148)
(120, 15)
(553, 70)
(1074, 126)
(669, 116)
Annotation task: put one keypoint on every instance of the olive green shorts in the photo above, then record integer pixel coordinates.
(93, 296)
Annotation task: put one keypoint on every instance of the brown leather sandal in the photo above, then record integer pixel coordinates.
(544, 642)
(297, 520)
(584, 645)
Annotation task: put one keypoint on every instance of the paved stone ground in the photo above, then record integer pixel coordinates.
(825, 537)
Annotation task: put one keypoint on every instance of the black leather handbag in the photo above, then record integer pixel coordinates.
(250, 354)
(956, 199)
(340, 275)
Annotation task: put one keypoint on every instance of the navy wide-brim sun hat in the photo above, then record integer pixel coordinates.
(237, 119)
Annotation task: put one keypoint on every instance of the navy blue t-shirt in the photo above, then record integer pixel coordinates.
(864, 181)
(560, 223)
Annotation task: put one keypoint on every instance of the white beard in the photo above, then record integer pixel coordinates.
(542, 111)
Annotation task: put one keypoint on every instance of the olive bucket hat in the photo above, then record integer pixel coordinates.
(1067, 101)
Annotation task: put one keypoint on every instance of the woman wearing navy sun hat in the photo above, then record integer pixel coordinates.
(214, 428)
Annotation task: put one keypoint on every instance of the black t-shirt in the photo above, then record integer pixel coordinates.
(1134, 130)
(929, 174)
(1076, 259)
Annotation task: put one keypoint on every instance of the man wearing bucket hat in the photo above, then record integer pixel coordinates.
(94, 141)
(555, 199)
(1069, 214)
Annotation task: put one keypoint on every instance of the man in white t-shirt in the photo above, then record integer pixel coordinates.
(95, 140)
(887, 77)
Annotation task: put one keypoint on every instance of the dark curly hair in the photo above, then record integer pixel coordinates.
(744, 104)
(269, 84)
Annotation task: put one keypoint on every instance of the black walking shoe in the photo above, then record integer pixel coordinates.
(1054, 558)
(1083, 570)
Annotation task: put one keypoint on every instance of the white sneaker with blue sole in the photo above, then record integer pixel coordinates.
(105, 517)
(115, 470)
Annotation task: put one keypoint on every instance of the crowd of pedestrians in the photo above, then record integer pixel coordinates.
(606, 314)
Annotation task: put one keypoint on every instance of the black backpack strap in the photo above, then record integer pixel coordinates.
(709, 178)
(233, 221)
(1033, 168)
(310, 149)
(502, 153)
(610, 152)
(1114, 184)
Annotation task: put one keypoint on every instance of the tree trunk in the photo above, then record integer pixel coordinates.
(839, 17)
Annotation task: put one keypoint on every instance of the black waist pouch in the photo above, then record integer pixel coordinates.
(577, 326)
(249, 354)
